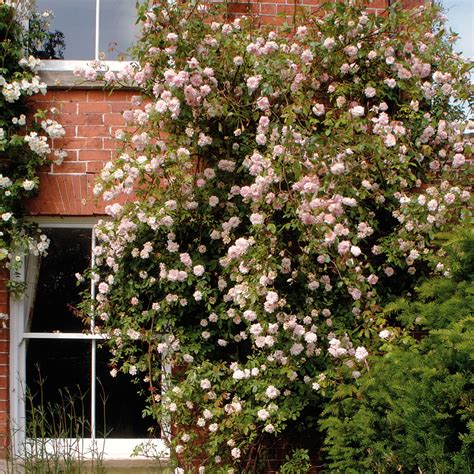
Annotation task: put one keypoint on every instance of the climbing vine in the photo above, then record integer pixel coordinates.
(24, 139)
(282, 185)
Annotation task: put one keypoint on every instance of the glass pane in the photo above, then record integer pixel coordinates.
(57, 295)
(58, 388)
(117, 29)
(70, 33)
(119, 406)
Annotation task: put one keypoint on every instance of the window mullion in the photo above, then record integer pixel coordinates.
(94, 345)
(93, 388)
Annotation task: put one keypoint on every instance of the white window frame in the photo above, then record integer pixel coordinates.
(109, 449)
(54, 63)
(59, 72)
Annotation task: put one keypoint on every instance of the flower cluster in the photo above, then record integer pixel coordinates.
(23, 143)
(282, 187)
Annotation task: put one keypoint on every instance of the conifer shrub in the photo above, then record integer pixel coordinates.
(413, 410)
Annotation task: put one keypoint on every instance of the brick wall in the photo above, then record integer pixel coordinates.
(277, 11)
(90, 118)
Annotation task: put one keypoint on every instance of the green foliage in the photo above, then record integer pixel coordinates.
(23, 140)
(275, 189)
(414, 408)
(298, 462)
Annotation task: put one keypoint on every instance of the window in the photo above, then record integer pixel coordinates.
(56, 365)
(86, 29)
(79, 31)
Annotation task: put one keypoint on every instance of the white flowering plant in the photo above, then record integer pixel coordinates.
(24, 141)
(281, 185)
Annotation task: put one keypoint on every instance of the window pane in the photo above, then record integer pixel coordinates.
(57, 295)
(58, 388)
(117, 29)
(119, 406)
(76, 21)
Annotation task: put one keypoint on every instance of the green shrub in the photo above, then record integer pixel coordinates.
(413, 411)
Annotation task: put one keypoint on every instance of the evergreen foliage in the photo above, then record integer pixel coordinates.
(413, 411)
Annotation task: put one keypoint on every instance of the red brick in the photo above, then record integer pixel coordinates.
(94, 119)
(119, 106)
(69, 167)
(92, 131)
(119, 96)
(70, 131)
(70, 143)
(48, 97)
(94, 155)
(95, 96)
(44, 168)
(71, 155)
(288, 9)
(72, 119)
(95, 167)
(378, 3)
(68, 107)
(74, 95)
(95, 143)
(268, 9)
(239, 7)
(94, 107)
(110, 144)
(113, 119)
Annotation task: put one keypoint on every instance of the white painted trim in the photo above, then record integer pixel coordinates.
(64, 335)
(17, 365)
(58, 73)
(98, 448)
(68, 65)
(65, 222)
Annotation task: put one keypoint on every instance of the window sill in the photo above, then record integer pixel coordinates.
(113, 452)
(59, 74)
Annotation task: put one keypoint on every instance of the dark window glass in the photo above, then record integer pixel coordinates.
(117, 29)
(58, 402)
(58, 388)
(74, 24)
(57, 295)
(119, 405)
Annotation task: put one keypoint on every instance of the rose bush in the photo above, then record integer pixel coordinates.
(24, 139)
(282, 186)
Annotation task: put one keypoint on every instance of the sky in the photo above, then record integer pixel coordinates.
(460, 15)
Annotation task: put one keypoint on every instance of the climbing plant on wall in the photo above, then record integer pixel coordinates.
(24, 139)
(283, 185)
